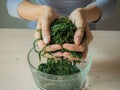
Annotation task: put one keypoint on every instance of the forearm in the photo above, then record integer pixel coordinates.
(30, 11)
(91, 13)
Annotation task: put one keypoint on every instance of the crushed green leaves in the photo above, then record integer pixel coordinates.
(60, 67)
(62, 31)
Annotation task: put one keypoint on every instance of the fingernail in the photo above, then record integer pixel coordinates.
(77, 40)
(46, 39)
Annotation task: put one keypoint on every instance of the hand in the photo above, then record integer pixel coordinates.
(47, 16)
(78, 18)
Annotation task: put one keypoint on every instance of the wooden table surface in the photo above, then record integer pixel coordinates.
(15, 73)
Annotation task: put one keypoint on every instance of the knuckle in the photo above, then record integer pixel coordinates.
(82, 47)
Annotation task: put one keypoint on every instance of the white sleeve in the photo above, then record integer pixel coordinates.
(12, 6)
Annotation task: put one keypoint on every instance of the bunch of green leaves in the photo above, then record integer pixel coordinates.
(60, 67)
(62, 31)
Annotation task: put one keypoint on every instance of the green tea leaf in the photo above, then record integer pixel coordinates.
(62, 31)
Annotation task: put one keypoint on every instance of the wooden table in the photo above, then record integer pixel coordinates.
(15, 73)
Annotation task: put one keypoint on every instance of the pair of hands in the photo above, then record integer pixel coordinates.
(78, 18)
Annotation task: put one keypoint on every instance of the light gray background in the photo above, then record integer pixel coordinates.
(6, 21)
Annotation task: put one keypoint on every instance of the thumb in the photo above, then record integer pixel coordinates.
(46, 31)
(78, 35)
(36, 33)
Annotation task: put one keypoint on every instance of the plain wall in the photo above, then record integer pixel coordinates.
(112, 23)
(6, 21)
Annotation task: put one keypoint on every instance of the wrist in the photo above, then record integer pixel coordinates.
(83, 13)
(44, 10)
(92, 13)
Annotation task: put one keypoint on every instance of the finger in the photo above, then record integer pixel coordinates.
(85, 43)
(88, 38)
(38, 26)
(78, 35)
(50, 48)
(79, 20)
(74, 47)
(88, 34)
(58, 54)
(36, 33)
(54, 55)
(54, 47)
(69, 56)
(41, 44)
(45, 30)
